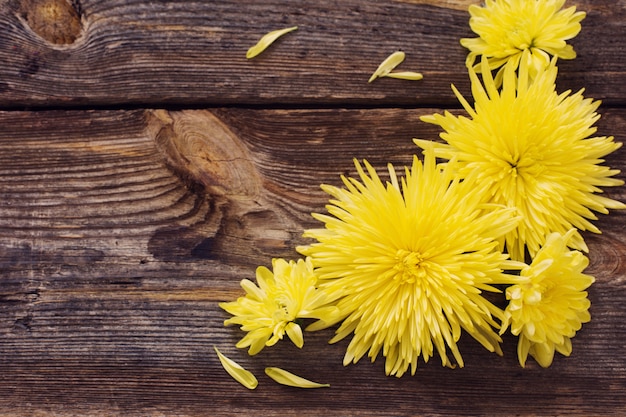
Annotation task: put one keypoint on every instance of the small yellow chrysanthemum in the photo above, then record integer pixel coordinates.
(550, 305)
(407, 261)
(511, 29)
(270, 310)
(533, 150)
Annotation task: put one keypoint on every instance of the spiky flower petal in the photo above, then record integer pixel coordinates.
(509, 30)
(271, 309)
(387, 65)
(287, 378)
(239, 374)
(533, 150)
(408, 261)
(550, 305)
(267, 40)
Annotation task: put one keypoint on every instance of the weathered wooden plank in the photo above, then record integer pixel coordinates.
(168, 53)
(111, 268)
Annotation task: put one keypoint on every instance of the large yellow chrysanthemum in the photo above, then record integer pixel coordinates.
(407, 262)
(550, 305)
(532, 148)
(270, 310)
(511, 29)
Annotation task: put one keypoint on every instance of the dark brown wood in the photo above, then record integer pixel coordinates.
(113, 265)
(146, 167)
(147, 53)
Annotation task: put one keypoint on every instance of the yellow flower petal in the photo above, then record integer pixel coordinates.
(294, 331)
(241, 375)
(405, 75)
(267, 40)
(387, 65)
(287, 378)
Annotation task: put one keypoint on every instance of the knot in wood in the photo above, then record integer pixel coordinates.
(56, 21)
(202, 149)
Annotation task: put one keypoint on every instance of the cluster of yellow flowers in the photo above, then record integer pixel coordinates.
(402, 266)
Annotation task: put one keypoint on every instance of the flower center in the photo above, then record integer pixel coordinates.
(286, 305)
(520, 38)
(409, 266)
(281, 313)
(527, 165)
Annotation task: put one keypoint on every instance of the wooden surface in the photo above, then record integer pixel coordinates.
(146, 167)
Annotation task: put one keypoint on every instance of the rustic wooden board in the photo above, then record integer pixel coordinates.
(122, 227)
(192, 54)
(111, 267)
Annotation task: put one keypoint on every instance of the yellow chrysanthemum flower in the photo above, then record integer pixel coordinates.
(408, 261)
(270, 310)
(511, 29)
(550, 305)
(533, 150)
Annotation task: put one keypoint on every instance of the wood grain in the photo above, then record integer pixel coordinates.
(112, 264)
(146, 167)
(192, 54)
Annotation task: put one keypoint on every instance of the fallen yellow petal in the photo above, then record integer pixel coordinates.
(405, 75)
(244, 377)
(287, 378)
(387, 65)
(267, 40)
